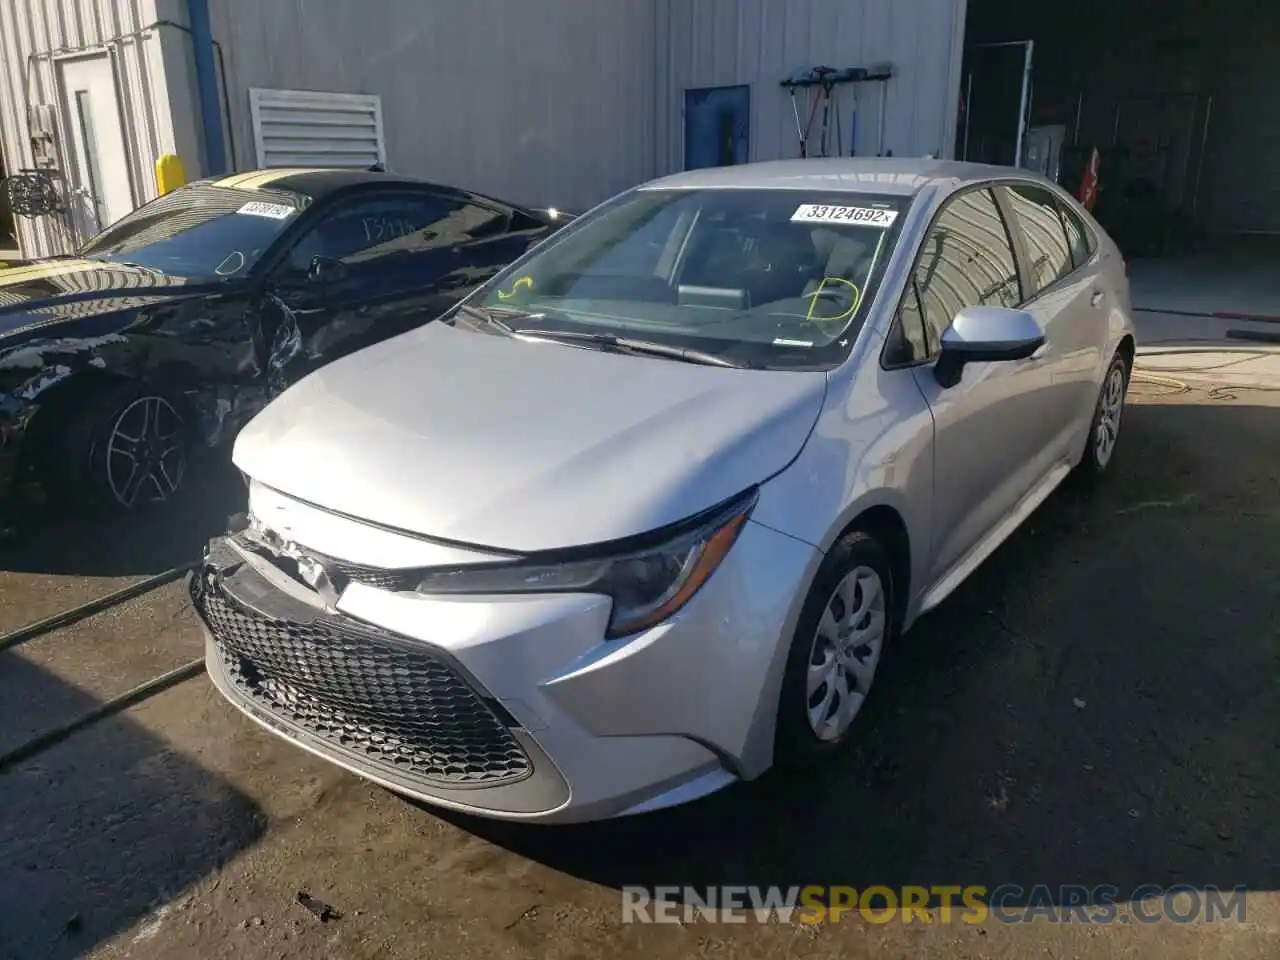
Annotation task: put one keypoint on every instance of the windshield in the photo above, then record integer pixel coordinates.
(772, 278)
(201, 231)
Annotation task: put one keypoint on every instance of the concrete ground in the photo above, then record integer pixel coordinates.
(1223, 275)
(1097, 705)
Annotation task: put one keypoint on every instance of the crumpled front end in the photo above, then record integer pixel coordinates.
(519, 706)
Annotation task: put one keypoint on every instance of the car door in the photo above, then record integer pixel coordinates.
(988, 428)
(492, 235)
(369, 268)
(1068, 300)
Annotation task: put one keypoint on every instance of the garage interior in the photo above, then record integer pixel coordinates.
(1181, 99)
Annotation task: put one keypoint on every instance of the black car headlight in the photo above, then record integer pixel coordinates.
(647, 584)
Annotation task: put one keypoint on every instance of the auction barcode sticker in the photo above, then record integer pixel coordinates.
(862, 216)
(259, 208)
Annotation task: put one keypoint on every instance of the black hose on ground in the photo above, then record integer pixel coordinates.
(105, 709)
(85, 610)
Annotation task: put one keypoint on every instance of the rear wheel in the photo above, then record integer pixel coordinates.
(1104, 431)
(123, 447)
(840, 643)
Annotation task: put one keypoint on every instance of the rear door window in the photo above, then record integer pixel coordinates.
(1044, 236)
(1079, 237)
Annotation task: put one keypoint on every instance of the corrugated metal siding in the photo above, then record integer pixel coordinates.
(714, 43)
(301, 128)
(32, 34)
(543, 101)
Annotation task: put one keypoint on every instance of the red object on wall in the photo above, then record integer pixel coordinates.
(1088, 194)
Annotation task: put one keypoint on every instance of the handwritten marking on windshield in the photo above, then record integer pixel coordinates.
(524, 283)
(845, 314)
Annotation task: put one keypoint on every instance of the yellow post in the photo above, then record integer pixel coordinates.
(170, 173)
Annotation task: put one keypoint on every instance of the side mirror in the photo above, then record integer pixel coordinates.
(326, 270)
(986, 335)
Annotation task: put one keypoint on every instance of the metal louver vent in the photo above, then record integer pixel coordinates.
(309, 128)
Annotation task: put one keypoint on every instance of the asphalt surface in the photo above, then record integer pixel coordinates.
(1099, 704)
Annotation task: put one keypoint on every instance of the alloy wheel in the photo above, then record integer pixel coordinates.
(146, 455)
(1107, 430)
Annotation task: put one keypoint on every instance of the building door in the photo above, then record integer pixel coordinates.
(99, 164)
(717, 123)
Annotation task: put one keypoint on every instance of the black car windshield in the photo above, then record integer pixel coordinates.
(772, 278)
(201, 231)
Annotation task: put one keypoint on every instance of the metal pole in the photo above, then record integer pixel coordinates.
(884, 102)
(1023, 102)
(207, 86)
(1075, 135)
(1204, 142)
(968, 108)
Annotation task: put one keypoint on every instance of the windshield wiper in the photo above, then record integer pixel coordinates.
(630, 345)
(487, 316)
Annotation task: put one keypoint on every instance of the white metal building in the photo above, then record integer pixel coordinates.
(555, 102)
(565, 102)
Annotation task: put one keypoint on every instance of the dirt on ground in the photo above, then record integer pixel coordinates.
(1099, 704)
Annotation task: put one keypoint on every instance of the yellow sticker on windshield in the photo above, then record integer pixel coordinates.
(524, 283)
(828, 286)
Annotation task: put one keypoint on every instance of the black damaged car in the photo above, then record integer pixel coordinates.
(170, 329)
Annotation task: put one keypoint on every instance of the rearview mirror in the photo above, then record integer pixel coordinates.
(326, 270)
(986, 335)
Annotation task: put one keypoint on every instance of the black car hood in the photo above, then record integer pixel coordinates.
(38, 292)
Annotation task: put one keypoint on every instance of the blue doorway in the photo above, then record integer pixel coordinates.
(717, 124)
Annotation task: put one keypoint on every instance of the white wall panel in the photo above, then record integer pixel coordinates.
(542, 101)
(712, 43)
(33, 33)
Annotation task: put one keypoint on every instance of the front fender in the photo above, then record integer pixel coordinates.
(871, 447)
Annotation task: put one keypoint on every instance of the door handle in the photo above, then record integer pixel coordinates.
(1097, 298)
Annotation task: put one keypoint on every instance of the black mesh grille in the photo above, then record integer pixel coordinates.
(372, 576)
(364, 692)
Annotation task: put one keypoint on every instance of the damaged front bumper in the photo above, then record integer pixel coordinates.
(386, 707)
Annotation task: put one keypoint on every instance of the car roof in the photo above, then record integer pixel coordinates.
(896, 176)
(314, 182)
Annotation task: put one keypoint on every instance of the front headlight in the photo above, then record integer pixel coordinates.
(647, 584)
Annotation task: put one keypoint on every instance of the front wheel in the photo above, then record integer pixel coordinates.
(840, 641)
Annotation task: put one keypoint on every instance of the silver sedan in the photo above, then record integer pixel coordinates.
(641, 517)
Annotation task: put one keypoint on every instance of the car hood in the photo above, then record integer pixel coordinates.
(525, 446)
(33, 292)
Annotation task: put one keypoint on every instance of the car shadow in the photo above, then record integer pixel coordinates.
(102, 828)
(139, 543)
(1096, 705)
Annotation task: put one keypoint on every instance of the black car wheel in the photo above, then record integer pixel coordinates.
(124, 447)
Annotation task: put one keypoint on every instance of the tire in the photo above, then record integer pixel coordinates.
(1108, 416)
(849, 572)
(122, 447)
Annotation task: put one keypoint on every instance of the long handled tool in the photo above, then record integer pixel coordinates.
(823, 81)
(830, 82)
(881, 72)
(791, 84)
(802, 79)
(822, 77)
